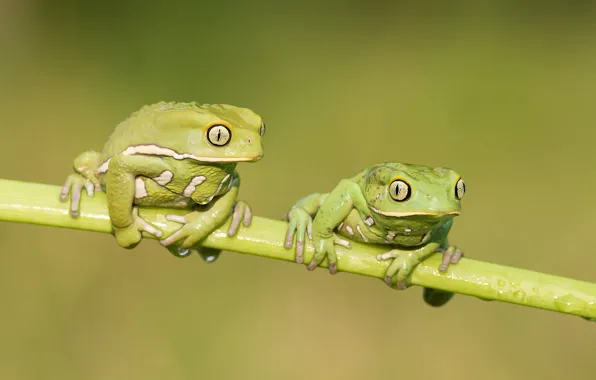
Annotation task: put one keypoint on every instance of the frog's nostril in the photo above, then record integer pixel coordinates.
(249, 141)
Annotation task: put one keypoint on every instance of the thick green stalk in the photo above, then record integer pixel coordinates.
(38, 204)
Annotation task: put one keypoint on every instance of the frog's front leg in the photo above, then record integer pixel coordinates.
(84, 177)
(197, 225)
(300, 222)
(334, 210)
(120, 190)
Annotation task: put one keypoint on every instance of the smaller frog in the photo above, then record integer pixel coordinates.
(176, 155)
(405, 206)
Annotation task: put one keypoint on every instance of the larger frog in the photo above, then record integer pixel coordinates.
(407, 207)
(177, 155)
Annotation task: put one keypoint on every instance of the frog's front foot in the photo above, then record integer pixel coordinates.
(451, 255)
(131, 235)
(325, 247)
(299, 224)
(242, 212)
(196, 227)
(400, 268)
(74, 186)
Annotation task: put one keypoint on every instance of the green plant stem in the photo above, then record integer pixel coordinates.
(38, 204)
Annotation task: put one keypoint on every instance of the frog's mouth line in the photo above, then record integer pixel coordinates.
(414, 213)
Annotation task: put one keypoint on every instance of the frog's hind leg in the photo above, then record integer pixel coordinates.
(85, 166)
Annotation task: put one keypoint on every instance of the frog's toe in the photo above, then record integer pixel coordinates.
(301, 234)
(74, 185)
(146, 227)
(242, 213)
(318, 257)
(400, 268)
(75, 199)
(344, 243)
(247, 216)
(171, 239)
(300, 251)
(457, 255)
(299, 225)
(402, 285)
(451, 255)
(387, 255)
(66, 189)
(333, 267)
(290, 235)
(90, 187)
(312, 266)
(176, 218)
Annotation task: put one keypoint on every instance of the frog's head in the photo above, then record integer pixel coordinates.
(212, 132)
(412, 200)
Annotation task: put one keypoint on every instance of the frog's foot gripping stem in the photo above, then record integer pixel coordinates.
(242, 212)
(300, 225)
(400, 268)
(197, 225)
(326, 248)
(130, 236)
(83, 177)
(451, 255)
(74, 185)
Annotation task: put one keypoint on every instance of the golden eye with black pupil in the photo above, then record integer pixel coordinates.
(460, 189)
(263, 128)
(400, 190)
(219, 135)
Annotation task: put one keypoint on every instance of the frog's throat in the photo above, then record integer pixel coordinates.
(414, 213)
(156, 150)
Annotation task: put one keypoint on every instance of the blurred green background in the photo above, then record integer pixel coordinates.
(501, 92)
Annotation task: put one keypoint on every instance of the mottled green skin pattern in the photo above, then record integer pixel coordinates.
(172, 194)
(362, 209)
(163, 156)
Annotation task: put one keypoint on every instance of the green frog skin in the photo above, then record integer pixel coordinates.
(175, 155)
(403, 206)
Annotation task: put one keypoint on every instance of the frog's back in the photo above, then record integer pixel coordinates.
(138, 129)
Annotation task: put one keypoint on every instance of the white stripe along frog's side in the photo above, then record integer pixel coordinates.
(177, 155)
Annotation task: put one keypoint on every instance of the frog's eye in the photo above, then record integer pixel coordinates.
(219, 135)
(460, 189)
(400, 190)
(263, 128)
